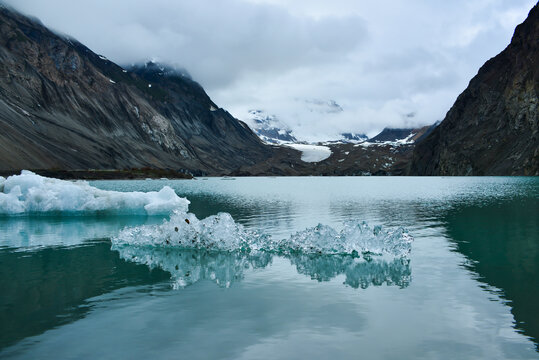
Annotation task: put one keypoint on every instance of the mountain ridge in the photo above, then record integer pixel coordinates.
(64, 106)
(493, 127)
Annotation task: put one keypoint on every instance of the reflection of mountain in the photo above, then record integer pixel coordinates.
(503, 244)
(224, 268)
(47, 288)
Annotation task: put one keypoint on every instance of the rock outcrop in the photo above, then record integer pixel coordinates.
(492, 129)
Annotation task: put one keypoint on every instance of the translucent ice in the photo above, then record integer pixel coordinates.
(220, 250)
(221, 233)
(354, 238)
(31, 193)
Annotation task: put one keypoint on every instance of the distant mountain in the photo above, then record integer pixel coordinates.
(269, 128)
(493, 127)
(393, 135)
(272, 130)
(402, 136)
(63, 106)
(353, 137)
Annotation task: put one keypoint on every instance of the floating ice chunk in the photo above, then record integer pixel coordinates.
(221, 233)
(220, 250)
(31, 193)
(112, 81)
(354, 239)
(183, 230)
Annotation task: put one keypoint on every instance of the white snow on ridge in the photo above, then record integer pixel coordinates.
(312, 153)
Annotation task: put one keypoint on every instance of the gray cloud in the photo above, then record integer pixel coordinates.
(380, 60)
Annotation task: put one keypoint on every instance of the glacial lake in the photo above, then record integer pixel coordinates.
(467, 289)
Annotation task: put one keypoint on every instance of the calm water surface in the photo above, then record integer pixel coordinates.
(470, 289)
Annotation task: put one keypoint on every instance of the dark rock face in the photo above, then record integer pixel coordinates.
(492, 129)
(63, 106)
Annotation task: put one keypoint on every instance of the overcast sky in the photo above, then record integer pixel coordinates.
(395, 63)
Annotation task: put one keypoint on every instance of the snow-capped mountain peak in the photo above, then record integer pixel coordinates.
(269, 128)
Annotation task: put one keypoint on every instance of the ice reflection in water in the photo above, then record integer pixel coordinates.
(188, 266)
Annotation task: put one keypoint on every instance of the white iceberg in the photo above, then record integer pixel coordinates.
(30, 193)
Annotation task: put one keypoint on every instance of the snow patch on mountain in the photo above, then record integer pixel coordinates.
(312, 153)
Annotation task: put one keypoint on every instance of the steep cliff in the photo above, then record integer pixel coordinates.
(63, 106)
(492, 129)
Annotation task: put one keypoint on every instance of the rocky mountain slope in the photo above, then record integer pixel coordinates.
(63, 106)
(345, 159)
(492, 129)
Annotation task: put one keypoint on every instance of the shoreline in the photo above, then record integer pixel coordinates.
(104, 174)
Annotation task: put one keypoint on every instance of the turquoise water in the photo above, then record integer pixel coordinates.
(468, 288)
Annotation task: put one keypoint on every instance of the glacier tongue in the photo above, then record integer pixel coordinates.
(31, 193)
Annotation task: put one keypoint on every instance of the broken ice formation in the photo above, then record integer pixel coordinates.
(218, 249)
(221, 233)
(31, 193)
